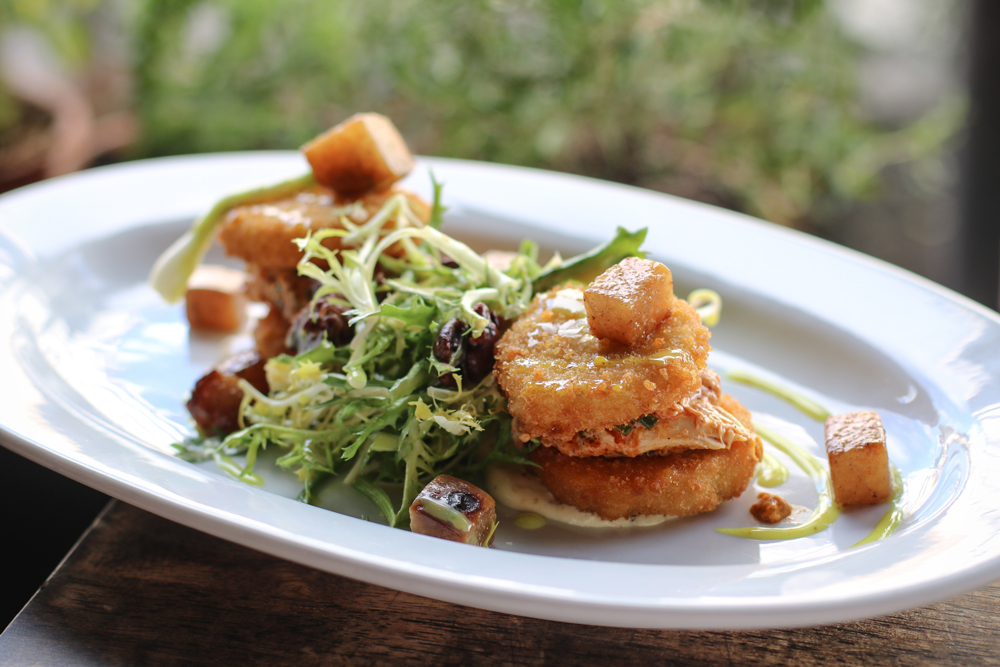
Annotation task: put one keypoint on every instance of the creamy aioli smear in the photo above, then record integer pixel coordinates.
(569, 300)
(520, 489)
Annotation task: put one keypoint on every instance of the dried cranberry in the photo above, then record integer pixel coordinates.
(474, 357)
(448, 347)
(322, 319)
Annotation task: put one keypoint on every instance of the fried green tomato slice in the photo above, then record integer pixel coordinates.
(560, 380)
(679, 484)
(263, 234)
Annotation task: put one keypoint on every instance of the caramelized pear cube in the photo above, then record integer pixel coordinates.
(363, 154)
(216, 398)
(859, 461)
(453, 509)
(626, 302)
(216, 299)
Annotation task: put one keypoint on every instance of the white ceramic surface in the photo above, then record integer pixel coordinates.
(97, 369)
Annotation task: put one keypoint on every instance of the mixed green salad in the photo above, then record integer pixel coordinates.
(403, 396)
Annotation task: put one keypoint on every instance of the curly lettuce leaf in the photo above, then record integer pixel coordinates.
(589, 265)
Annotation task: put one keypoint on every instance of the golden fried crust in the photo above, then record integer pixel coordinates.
(681, 484)
(263, 233)
(284, 289)
(697, 422)
(270, 334)
(560, 380)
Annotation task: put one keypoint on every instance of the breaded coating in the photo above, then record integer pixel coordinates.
(679, 484)
(560, 380)
(270, 334)
(263, 233)
(697, 422)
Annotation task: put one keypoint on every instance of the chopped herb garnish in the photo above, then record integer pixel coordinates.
(649, 421)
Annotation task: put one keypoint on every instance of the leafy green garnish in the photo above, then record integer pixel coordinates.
(649, 421)
(489, 535)
(708, 304)
(589, 265)
(371, 414)
(437, 209)
(377, 496)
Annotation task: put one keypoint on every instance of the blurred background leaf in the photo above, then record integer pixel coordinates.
(750, 104)
(753, 105)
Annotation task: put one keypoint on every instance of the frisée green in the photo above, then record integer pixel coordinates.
(373, 413)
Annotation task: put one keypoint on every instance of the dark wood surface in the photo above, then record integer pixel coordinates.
(140, 590)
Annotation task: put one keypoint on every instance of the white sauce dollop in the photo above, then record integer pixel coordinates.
(519, 488)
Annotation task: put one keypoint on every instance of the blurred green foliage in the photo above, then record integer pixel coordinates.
(751, 104)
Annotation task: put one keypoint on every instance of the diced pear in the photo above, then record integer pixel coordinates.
(453, 509)
(215, 299)
(859, 461)
(216, 397)
(627, 302)
(363, 154)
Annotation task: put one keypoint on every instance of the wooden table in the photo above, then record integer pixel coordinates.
(140, 590)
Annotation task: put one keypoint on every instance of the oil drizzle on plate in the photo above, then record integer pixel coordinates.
(803, 403)
(772, 473)
(826, 511)
(891, 520)
(529, 521)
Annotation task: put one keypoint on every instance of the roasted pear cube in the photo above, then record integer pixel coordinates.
(626, 302)
(363, 154)
(216, 300)
(453, 509)
(216, 398)
(859, 461)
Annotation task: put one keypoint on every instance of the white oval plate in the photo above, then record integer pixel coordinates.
(97, 369)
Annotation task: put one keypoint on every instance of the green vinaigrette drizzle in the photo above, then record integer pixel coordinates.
(826, 511)
(891, 520)
(803, 403)
(771, 472)
(529, 521)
